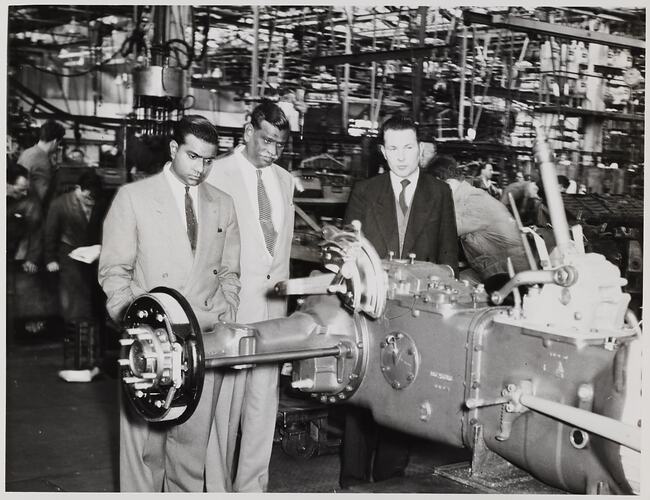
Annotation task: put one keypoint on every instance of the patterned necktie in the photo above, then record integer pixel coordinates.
(402, 196)
(265, 214)
(190, 218)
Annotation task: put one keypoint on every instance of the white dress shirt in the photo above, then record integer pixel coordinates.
(409, 192)
(178, 190)
(271, 185)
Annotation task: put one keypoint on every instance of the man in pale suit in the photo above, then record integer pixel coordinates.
(263, 194)
(173, 230)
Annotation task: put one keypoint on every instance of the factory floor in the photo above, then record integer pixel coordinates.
(62, 436)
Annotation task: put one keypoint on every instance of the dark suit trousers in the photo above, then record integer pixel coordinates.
(371, 451)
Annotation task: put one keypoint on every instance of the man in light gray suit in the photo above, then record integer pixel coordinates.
(173, 230)
(263, 195)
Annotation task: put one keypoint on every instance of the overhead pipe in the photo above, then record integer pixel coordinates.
(417, 74)
(256, 48)
(461, 98)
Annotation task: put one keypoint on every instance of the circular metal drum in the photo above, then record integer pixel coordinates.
(162, 360)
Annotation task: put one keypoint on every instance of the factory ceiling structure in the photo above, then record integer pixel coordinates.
(466, 74)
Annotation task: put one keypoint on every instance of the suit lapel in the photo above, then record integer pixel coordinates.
(208, 223)
(74, 209)
(421, 206)
(286, 187)
(385, 215)
(170, 218)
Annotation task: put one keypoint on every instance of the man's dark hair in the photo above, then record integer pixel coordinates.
(197, 125)
(398, 122)
(444, 167)
(51, 130)
(474, 168)
(272, 113)
(90, 181)
(14, 171)
(563, 180)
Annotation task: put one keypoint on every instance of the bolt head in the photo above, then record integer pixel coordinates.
(585, 392)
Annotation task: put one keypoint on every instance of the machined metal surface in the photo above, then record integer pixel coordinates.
(159, 81)
(162, 359)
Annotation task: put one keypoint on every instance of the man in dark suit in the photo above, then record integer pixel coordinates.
(405, 210)
(401, 212)
(74, 220)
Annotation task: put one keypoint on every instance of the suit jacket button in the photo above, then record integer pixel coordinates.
(206, 303)
(268, 276)
(165, 275)
(214, 271)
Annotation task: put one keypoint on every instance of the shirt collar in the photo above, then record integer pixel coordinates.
(396, 180)
(175, 182)
(239, 150)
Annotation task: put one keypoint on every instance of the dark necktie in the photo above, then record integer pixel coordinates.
(402, 196)
(266, 222)
(190, 218)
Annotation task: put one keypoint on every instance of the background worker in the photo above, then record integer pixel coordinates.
(484, 180)
(74, 222)
(487, 232)
(24, 223)
(38, 159)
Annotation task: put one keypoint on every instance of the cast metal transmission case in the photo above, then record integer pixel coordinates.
(551, 384)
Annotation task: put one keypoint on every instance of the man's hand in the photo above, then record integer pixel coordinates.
(53, 267)
(29, 267)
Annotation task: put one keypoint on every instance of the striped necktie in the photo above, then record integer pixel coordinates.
(190, 218)
(402, 196)
(266, 221)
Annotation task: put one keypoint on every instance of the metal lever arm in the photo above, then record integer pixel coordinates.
(562, 276)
